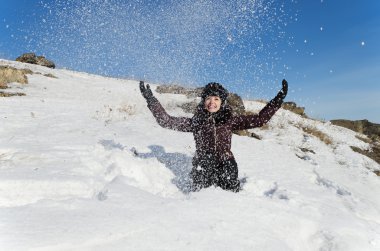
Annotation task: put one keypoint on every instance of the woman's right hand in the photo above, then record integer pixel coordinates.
(146, 91)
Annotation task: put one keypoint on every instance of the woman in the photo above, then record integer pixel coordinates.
(212, 126)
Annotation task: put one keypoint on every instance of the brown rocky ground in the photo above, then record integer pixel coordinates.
(31, 58)
(369, 129)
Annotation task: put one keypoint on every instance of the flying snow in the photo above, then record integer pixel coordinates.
(186, 41)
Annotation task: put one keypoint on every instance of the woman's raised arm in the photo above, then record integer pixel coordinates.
(251, 121)
(162, 117)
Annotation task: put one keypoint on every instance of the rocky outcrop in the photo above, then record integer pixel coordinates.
(31, 58)
(236, 102)
(373, 153)
(11, 94)
(176, 89)
(189, 107)
(365, 127)
(291, 106)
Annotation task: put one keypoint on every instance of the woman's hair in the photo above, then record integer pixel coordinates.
(214, 89)
(225, 111)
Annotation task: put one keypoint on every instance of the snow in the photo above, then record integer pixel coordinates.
(84, 166)
(163, 41)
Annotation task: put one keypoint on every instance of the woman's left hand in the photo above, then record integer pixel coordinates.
(282, 94)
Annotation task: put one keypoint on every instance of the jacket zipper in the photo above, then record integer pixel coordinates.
(213, 119)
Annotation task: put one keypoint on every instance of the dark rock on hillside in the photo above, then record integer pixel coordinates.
(11, 94)
(291, 106)
(236, 102)
(189, 107)
(374, 153)
(176, 89)
(365, 127)
(31, 58)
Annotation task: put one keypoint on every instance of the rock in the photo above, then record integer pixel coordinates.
(373, 153)
(174, 89)
(49, 75)
(236, 102)
(41, 60)
(10, 74)
(193, 93)
(291, 106)
(10, 94)
(177, 89)
(365, 127)
(306, 150)
(31, 58)
(189, 107)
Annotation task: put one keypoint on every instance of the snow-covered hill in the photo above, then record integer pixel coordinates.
(84, 166)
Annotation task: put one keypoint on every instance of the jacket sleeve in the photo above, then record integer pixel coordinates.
(182, 124)
(251, 121)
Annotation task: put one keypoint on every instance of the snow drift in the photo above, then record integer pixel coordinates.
(84, 166)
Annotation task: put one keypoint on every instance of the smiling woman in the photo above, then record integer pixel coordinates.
(212, 126)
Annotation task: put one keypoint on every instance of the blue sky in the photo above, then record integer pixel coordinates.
(328, 50)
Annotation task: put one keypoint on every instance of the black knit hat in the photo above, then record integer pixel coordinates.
(214, 89)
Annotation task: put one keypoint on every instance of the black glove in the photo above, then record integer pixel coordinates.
(146, 91)
(282, 94)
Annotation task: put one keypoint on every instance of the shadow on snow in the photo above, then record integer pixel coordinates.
(180, 164)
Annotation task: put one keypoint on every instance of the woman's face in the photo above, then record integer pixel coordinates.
(213, 103)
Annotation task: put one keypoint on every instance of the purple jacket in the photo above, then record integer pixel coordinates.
(213, 131)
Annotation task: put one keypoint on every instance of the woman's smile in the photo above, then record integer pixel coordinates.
(213, 103)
